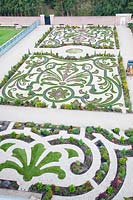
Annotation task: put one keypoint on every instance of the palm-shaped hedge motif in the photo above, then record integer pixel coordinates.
(34, 168)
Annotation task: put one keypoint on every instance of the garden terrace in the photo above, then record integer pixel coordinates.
(43, 80)
(99, 37)
(65, 161)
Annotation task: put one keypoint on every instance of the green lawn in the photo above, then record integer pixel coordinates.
(7, 33)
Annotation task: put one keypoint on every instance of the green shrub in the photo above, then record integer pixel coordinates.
(48, 187)
(90, 106)
(88, 151)
(116, 37)
(56, 131)
(48, 195)
(21, 136)
(110, 136)
(13, 134)
(89, 130)
(71, 139)
(124, 83)
(75, 131)
(35, 129)
(80, 142)
(129, 132)
(39, 186)
(116, 130)
(122, 140)
(38, 104)
(57, 189)
(130, 25)
(53, 105)
(131, 139)
(72, 188)
(18, 125)
(18, 102)
(122, 172)
(100, 175)
(110, 190)
(61, 139)
(122, 161)
(105, 155)
(44, 132)
(123, 152)
(105, 166)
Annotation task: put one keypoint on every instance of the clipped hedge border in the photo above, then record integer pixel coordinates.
(43, 37)
(13, 70)
(116, 37)
(124, 85)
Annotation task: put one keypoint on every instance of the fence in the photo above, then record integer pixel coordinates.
(9, 44)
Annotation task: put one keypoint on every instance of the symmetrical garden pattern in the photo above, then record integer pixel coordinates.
(51, 79)
(66, 160)
(94, 36)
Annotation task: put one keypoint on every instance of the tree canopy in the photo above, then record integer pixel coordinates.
(64, 7)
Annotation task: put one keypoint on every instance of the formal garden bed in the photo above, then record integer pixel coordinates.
(99, 37)
(61, 156)
(47, 80)
(110, 135)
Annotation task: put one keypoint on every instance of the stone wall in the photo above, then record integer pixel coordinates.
(79, 20)
(25, 21)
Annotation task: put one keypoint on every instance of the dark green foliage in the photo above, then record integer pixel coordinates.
(64, 7)
(130, 25)
(106, 7)
(131, 139)
(75, 131)
(129, 132)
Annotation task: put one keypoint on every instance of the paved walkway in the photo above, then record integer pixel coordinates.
(68, 117)
(108, 120)
(126, 48)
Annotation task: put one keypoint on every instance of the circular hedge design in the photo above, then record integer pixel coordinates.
(58, 94)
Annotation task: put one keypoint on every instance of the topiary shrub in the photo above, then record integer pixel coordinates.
(75, 131)
(72, 188)
(116, 130)
(89, 130)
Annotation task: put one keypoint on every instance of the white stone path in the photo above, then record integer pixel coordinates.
(68, 117)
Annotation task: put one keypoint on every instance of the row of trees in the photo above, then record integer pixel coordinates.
(64, 7)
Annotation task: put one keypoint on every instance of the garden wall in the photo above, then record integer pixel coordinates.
(24, 21)
(79, 20)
